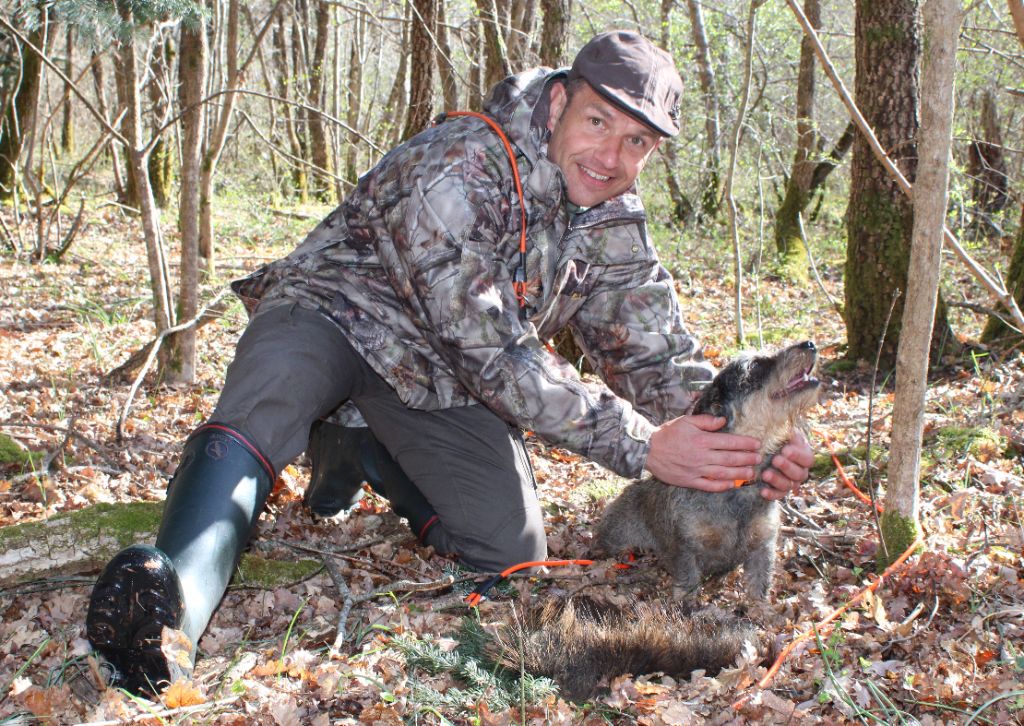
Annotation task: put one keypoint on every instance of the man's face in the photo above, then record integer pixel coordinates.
(599, 148)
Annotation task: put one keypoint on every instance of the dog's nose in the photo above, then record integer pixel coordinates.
(807, 345)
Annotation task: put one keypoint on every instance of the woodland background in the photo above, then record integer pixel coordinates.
(151, 152)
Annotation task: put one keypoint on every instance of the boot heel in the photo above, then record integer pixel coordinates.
(137, 595)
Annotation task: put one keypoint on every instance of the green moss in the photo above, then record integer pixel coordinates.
(260, 571)
(124, 522)
(898, 533)
(851, 458)
(979, 442)
(842, 365)
(12, 453)
(597, 489)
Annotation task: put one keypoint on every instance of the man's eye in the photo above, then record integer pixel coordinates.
(595, 121)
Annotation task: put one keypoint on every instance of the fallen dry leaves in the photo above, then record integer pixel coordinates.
(938, 643)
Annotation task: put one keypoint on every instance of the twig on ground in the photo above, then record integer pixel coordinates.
(52, 456)
(29, 476)
(154, 347)
(160, 715)
(346, 602)
(71, 432)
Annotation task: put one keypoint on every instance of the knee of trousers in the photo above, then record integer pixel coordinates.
(519, 538)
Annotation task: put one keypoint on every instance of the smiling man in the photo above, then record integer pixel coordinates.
(402, 344)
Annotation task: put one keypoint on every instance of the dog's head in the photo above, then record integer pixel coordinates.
(763, 395)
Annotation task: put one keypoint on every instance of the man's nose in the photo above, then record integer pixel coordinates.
(608, 152)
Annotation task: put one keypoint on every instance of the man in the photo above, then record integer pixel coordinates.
(413, 305)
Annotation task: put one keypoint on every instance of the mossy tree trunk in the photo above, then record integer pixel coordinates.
(710, 175)
(161, 158)
(879, 216)
(67, 128)
(996, 331)
(19, 113)
(320, 147)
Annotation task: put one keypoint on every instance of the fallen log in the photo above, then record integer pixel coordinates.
(80, 542)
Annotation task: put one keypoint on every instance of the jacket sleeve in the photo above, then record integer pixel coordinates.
(631, 329)
(455, 240)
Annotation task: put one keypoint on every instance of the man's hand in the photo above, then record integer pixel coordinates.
(790, 468)
(685, 452)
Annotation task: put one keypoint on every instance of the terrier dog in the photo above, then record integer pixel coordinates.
(696, 533)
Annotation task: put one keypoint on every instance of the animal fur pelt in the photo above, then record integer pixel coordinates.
(581, 643)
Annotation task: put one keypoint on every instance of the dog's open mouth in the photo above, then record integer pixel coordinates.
(800, 382)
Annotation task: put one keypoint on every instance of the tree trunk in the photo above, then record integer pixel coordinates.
(445, 63)
(320, 147)
(19, 116)
(997, 332)
(520, 30)
(398, 99)
(900, 527)
(191, 84)
(155, 254)
(682, 207)
(554, 35)
(1017, 13)
(355, 100)
(67, 128)
(99, 82)
(788, 241)
(130, 198)
(986, 164)
(300, 181)
(493, 23)
(421, 86)
(879, 216)
(710, 175)
(217, 139)
(161, 158)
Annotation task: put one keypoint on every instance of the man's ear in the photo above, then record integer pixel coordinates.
(557, 100)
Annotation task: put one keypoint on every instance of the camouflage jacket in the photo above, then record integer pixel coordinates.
(416, 266)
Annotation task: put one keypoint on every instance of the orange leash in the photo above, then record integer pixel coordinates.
(843, 476)
(519, 276)
(474, 598)
(872, 586)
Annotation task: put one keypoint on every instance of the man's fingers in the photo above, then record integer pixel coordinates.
(704, 484)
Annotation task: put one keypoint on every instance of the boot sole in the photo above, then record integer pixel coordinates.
(137, 595)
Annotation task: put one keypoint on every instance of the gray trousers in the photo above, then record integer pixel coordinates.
(294, 366)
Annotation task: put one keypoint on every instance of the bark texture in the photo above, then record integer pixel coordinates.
(191, 83)
(996, 331)
(880, 216)
(554, 36)
(19, 115)
(941, 24)
(421, 95)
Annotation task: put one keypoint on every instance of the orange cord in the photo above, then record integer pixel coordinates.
(474, 598)
(518, 285)
(843, 476)
(872, 586)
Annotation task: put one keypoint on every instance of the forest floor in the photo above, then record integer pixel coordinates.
(940, 641)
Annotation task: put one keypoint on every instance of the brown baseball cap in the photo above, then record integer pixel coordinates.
(634, 74)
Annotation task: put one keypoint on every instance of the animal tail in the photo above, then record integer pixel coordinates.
(582, 644)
